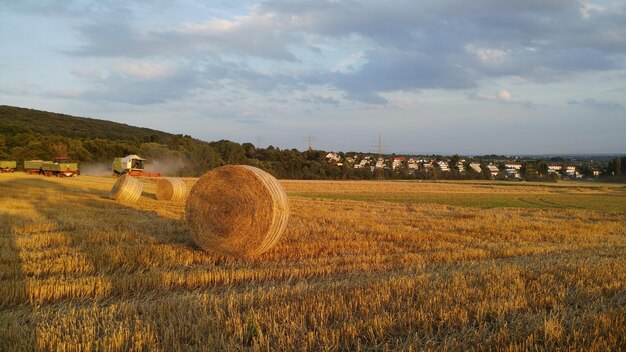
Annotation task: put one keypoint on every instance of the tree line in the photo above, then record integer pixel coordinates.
(181, 154)
(27, 134)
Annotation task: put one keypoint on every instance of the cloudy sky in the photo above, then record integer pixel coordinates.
(430, 76)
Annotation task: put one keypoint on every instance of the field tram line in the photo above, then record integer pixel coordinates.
(442, 271)
(119, 290)
(290, 291)
(561, 206)
(542, 203)
(323, 278)
(306, 285)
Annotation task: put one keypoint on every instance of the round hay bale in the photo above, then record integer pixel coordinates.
(237, 210)
(173, 189)
(127, 189)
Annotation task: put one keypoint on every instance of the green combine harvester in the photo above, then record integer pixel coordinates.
(132, 165)
(60, 167)
(7, 166)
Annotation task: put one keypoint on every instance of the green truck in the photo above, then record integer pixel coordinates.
(8, 166)
(60, 167)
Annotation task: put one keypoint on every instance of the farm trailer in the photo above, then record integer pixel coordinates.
(8, 166)
(34, 166)
(60, 167)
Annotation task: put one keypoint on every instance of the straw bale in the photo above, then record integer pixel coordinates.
(127, 189)
(173, 189)
(237, 210)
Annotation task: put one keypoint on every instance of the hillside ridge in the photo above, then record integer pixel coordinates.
(24, 120)
(27, 134)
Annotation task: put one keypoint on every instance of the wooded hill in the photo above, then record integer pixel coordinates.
(15, 120)
(33, 134)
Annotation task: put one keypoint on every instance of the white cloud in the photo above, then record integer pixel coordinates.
(487, 56)
(87, 73)
(350, 63)
(66, 92)
(482, 96)
(378, 48)
(211, 26)
(142, 70)
(502, 96)
(274, 59)
(597, 104)
(587, 10)
(320, 99)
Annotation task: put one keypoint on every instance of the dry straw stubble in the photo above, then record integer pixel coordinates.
(237, 210)
(173, 189)
(127, 189)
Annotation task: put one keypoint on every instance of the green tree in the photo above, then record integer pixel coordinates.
(470, 173)
(58, 149)
(529, 171)
(3, 147)
(485, 174)
(249, 149)
(231, 153)
(200, 159)
(541, 167)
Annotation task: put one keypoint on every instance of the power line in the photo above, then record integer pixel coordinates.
(380, 146)
(379, 170)
(310, 139)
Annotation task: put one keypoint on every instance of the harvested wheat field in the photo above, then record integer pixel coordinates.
(361, 266)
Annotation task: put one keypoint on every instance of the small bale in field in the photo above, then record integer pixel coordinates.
(127, 189)
(173, 189)
(237, 210)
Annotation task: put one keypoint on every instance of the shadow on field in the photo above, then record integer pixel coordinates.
(40, 182)
(86, 210)
(110, 241)
(13, 286)
(12, 275)
(149, 195)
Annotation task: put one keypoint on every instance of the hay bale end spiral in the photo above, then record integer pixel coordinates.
(127, 189)
(173, 189)
(237, 210)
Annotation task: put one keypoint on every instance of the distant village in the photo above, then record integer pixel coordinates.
(456, 167)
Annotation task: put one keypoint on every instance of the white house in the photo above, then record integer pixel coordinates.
(333, 157)
(513, 170)
(493, 170)
(515, 166)
(475, 167)
(460, 166)
(554, 168)
(397, 162)
(570, 171)
(363, 163)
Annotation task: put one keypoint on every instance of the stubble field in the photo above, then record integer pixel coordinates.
(362, 266)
